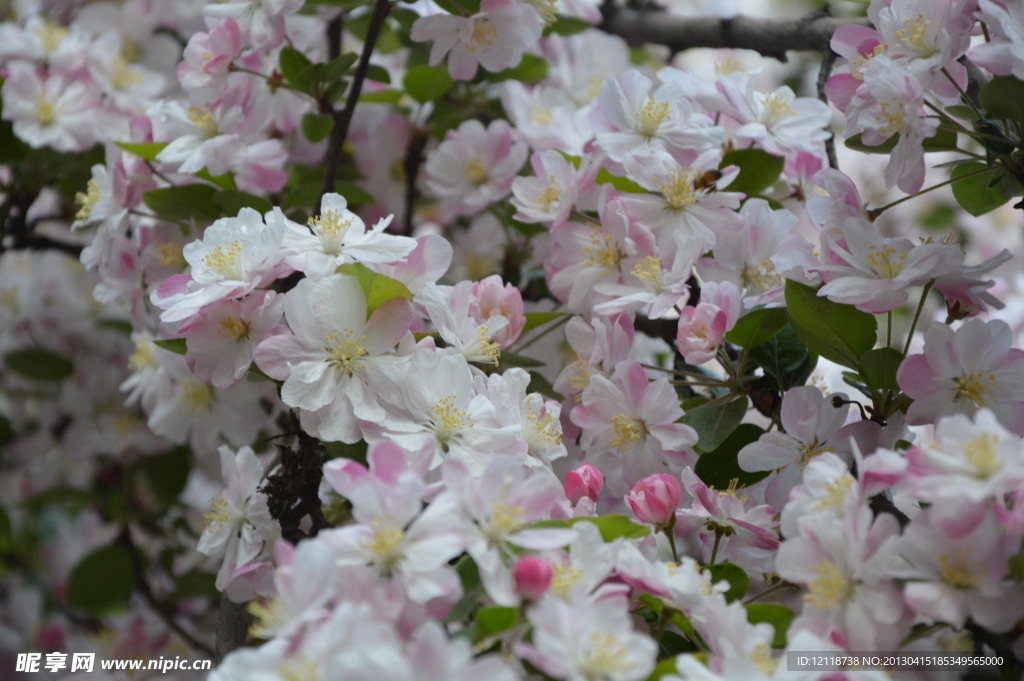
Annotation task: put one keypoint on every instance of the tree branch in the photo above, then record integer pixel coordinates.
(343, 119)
(828, 60)
(769, 37)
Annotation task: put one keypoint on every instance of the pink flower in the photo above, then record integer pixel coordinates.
(1004, 54)
(654, 499)
(532, 576)
(490, 299)
(965, 294)
(702, 328)
(475, 166)
(550, 195)
(961, 372)
(207, 58)
(585, 481)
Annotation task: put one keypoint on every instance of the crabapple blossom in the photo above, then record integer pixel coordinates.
(702, 328)
(491, 299)
(53, 112)
(532, 577)
(585, 481)
(550, 195)
(654, 499)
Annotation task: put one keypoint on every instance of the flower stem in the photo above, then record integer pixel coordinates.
(562, 320)
(917, 316)
(875, 212)
(714, 549)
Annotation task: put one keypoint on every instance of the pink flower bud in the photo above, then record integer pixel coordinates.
(585, 481)
(655, 499)
(532, 576)
(491, 299)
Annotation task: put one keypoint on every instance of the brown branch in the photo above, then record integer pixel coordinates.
(233, 621)
(769, 37)
(343, 119)
(166, 611)
(828, 60)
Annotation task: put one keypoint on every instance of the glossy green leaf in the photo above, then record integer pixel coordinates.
(623, 184)
(720, 467)
(535, 319)
(943, 140)
(510, 359)
(531, 69)
(664, 668)
(977, 194)
(387, 96)
(377, 287)
(230, 201)
(292, 63)
(336, 68)
(964, 113)
(539, 384)
(39, 365)
(739, 581)
(147, 150)
(102, 582)
(185, 202)
(779, 616)
(316, 127)
(491, 621)
(567, 25)
(715, 422)
(755, 328)
(354, 194)
(167, 473)
(878, 368)
(378, 74)
(614, 526)
(758, 170)
(838, 332)
(785, 359)
(1003, 97)
(224, 180)
(176, 345)
(460, 7)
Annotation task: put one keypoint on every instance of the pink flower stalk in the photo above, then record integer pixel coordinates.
(532, 576)
(585, 481)
(654, 499)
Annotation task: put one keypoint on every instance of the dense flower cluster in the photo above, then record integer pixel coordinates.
(541, 386)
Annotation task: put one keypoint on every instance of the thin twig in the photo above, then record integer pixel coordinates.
(343, 120)
(828, 60)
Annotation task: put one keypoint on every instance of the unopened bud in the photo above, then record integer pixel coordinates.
(654, 499)
(532, 576)
(585, 481)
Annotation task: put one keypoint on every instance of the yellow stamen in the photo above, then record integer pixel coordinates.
(831, 588)
(476, 171)
(957, 571)
(652, 116)
(233, 327)
(973, 387)
(887, 262)
(627, 430)
(448, 420)
(202, 118)
(678, 191)
(87, 200)
(224, 261)
(983, 453)
(172, 256)
(345, 354)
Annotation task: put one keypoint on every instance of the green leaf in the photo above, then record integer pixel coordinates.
(755, 328)
(758, 170)
(943, 140)
(176, 345)
(664, 668)
(739, 582)
(336, 68)
(102, 581)
(378, 74)
(195, 584)
(614, 526)
(531, 68)
(566, 25)
(1003, 97)
(5, 532)
(39, 365)
(491, 621)
(878, 368)
(387, 96)
(147, 150)
(977, 194)
(7, 430)
(510, 359)
(469, 575)
(785, 359)
(535, 319)
(230, 201)
(964, 113)
(167, 473)
(779, 616)
(377, 287)
(539, 384)
(316, 126)
(292, 63)
(719, 467)
(715, 422)
(838, 332)
(460, 7)
(183, 203)
(354, 194)
(623, 184)
(224, 181)
(922, 630)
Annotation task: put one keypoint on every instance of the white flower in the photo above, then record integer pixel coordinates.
(49, 113)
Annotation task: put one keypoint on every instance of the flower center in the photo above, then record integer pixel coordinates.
(51, 35)
(551, 194)
(973, 388)
(219, 513)
(648, 271)
(483, 35)
(627, 430)
(605, 657)
(122, 75)
(233, 327)
(831, 588)
(776, 106)
(542, 429)
(482, 349)
(224, 261)
(476, 171)
(171, 255)
(564, 577)
(330, 227)
(142, 357)
(505, 520)
(957, 572)
(809, 451)
(197, 396)
(385, 545)
(678, 191)
(761, 277)
(651, 117)
(202, 119)
(46, 110)
(87, 200)
(762, 658)
(448, 420)
(602, 251)
(861, 60)
(835, 492)
(540, 115)
(892, 118)
(983, 453)
(887, 262)
(547, 9)
(914, 35)
(345, 354)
